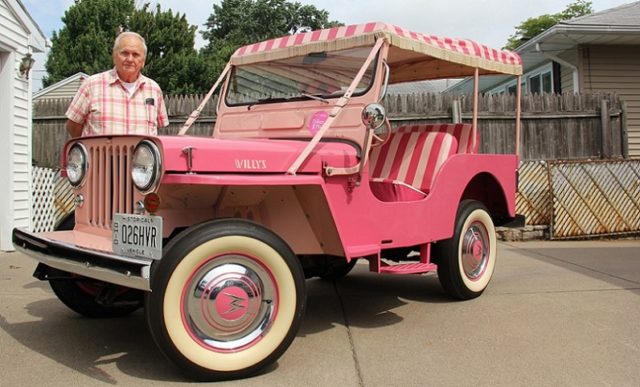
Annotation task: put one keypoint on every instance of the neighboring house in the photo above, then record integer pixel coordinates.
(594, 53)
(19, 37)
(65, 88)
(433, 86)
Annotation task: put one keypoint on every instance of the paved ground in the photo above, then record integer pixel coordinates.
(555, 314)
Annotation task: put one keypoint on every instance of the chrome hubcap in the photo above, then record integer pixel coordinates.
(475, 250)
(229, 303)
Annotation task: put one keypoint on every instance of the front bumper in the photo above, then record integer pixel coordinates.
(125, 271)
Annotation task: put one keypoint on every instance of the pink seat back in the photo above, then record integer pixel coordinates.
(462, 133)
(412, 157)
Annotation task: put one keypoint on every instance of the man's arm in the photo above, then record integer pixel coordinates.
(74, 128)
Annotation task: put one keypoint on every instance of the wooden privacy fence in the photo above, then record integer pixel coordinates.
(568, 126)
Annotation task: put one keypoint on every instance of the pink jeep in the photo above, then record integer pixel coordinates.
(302, 177)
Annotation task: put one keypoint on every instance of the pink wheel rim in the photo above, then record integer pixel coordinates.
(229, 302)
(475, 251)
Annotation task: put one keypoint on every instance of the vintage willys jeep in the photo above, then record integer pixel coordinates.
(303, 176)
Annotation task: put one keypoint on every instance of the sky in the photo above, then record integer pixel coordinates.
(489, 22)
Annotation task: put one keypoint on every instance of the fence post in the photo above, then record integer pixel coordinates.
(456, 111)
(605, 135)
(624, 134)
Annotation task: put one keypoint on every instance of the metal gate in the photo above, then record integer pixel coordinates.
(533, 199)
(595, 198)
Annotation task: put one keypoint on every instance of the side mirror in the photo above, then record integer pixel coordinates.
(373, 116)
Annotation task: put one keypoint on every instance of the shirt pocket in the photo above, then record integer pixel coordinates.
(96, 117)
(152, 118)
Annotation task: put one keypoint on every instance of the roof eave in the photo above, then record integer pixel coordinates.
(37, 39)
(59, 84)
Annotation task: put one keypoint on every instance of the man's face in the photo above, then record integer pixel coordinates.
(129, 58)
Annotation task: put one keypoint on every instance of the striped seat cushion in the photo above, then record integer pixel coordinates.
(411, 158)
(462, 133)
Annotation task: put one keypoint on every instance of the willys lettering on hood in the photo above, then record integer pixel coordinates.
(250, 164)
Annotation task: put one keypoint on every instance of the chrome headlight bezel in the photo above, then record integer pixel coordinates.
(151, 172)
(83, 166)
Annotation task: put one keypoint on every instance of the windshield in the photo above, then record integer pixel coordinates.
(322, 74)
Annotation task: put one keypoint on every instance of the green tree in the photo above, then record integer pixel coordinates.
(172, 60)
(85, 43)
(235, 23)
(536, 25)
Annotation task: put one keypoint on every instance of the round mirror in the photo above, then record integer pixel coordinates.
(373, 115)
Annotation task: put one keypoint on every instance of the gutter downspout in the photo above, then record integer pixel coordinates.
(576, 78)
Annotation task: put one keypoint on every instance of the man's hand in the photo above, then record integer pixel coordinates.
(74, 128)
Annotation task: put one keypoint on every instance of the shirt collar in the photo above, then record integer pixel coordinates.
(113, 78)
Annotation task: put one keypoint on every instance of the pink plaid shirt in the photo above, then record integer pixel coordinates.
(104, 106)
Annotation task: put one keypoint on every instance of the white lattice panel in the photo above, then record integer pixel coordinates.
(42, 200)
(63, 198)
(52, 199)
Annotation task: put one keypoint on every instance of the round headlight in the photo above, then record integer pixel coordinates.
(76, 164)
(145, 168)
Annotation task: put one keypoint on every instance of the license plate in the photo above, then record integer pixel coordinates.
(137, 235)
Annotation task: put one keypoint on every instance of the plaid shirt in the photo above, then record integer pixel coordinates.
(104, 106)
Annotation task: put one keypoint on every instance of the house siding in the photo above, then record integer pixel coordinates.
(66, 91)
(566, 72)
(616, 68)
(15, 144)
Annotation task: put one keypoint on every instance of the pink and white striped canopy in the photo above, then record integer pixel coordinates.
(463, 52)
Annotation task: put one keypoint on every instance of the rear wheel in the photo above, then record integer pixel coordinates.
(336, 269)
(466, 261)
(227, 299)
(90, 297)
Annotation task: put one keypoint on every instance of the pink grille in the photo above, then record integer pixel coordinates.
(109, 187)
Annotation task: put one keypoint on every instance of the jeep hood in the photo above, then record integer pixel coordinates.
(212, 155)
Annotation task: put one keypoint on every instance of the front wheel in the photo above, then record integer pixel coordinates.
(466, 261)
(227, 299)
(90, 297)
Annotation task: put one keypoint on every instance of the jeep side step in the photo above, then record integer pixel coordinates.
(407, 268)
(377, 265)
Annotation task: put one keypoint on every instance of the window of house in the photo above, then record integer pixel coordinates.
(537, 81)
(547, 84)
(541, 80)
(534, 84)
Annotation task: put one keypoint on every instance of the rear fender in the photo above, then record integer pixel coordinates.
(486, 189)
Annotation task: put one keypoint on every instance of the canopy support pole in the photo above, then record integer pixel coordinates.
(518, 113)
(337, 109)
(474, 123)
(196, 113)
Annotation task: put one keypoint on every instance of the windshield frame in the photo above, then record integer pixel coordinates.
(302, 95)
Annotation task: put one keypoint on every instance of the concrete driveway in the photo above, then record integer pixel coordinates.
(555, 314)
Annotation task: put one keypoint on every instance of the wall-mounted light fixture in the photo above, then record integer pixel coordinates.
(26, 64)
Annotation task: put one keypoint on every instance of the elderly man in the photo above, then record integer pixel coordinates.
(121, 100)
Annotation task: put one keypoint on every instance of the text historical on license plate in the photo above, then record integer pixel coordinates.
(137, 235)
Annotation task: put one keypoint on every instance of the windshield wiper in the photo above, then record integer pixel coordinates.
(268, 100)
(287, 99)
(313, 96)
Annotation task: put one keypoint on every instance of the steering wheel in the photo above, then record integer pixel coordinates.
(381, 138)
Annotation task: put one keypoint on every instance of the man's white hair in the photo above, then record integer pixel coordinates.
(124, 34)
